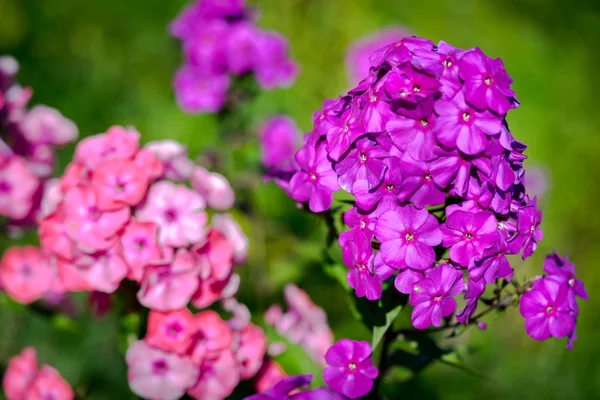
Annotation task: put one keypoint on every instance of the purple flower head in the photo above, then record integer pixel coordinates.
(361, 163)
(418, 185)
(317, 181)
(528, 230)
(486, 82)
(351, 371)
(279, 140)
(469, 234)
(563, 271)
(407, 237)
(274, 68)
(197, 93)
(204, 50)
(546, 310)
(358, 256)
(463, 127)
(432, 297)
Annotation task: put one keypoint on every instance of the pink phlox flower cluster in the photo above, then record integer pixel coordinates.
(199, 354)
(30, 137)
(303, 323)
(220, 40)
(23, 380)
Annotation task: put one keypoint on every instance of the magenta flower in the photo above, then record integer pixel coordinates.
(282, 389)
(197, 92)
(155, 374)
(218, 378)
(204, 50)
(279, 139)
(46, 125)
(358, 220)
(18, 186)
(563, 271)
(546, 310)
(178, 212)
(385, 195)
(486, 82)
(351, 371)
(361, 163)
(119, 183)
(358, 256)
(528, 230)
(139, 243)
(274, 68)
(463, 127)
(469, 234)
(419, 185)
(415, 136)
(170, 331)
(317, 180)
(174, 158)
(19, 374)
(342, 133)
(407, 237)
(26, 274)
(48, 384)
(491, 265)
(410, 85)
(210, 336)
(241, 47)
(433, 296)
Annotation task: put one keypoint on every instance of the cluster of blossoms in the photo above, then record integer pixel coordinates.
(200, 354)
(24, 380)
(116, 213)
(220, 39)
(437, 178)
(304, 323)
(28, 140)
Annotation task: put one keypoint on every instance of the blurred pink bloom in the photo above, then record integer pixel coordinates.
(19, 374)
(274, 68)
(270, 373)
(232, 230)
(198, 92)
(241, 314)
(147, 161)
(26, 274)
(169, 285)
(119, 183)
(240, 47)
(103, 270)
(46, 125)
(53, 236)
(174, 157)
(214, 188)
(251, 350)
(209, 291)
(178, 211)
(118, 143)
(280, 138)
(170, 331)
(210, 336)
(139, 242)
(51, 198)
(156, 375)
(218, 378)
(359, 53)
(18, 186)
(216, 255)
(86, 224)
(75, 173)
(48, 384)
(538, 182)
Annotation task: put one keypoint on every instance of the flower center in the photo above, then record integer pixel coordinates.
(389, 187)
(362, 266)
(174, 329)
(532, 228)
(363, 157)
(26, 270)
(171, 215)
(549, 309)
(416, 89)
(427, 176)
(373, 97)
(466, 116)
(159, 367)
(313, 177)
(571, 281)
(437, 298)
(409, 236)
(447, 62)
(488, 80)
(140, 244)
(352, 366)
(402, 94)
(363, 224)
(423, 122)
(4, 187)
(468, 235)
(94, 213)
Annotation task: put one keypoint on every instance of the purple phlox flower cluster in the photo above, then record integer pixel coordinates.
(550, 307)
(303, 323)
(359, 52)
(423, 145)
(287, 388)
(220, 39)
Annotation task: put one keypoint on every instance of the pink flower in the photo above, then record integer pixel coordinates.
(102, 270)
(214, 188)
(19, 374)
(234, 233)
(18, 186)
(119, 183)
(25, 274)
(217, 251)
(149, 164)
(48, 384)
(46, 125)
(268, 376)
(117, 143)
(177, 211)
(218, 378)
(170, 331)
(51, 198)
(210, 336)
(53, 236)
(156, 375)
(174, 157)
(251, 351)
(139, 242)
(169, 285)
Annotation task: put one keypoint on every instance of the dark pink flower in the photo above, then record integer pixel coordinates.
(48, 384)
(18, 186)
(139, 243)
(119, 183)
(19, 374)
(351, 371)
(210, 336)
(46, 125)
(218, 378)
(362, 163)
(26, 274)
(358, 256)
(274, 67)
(170, 331)
(198, 92)
(279, 139)
(118, 143)
(251, 351)
(469, 234)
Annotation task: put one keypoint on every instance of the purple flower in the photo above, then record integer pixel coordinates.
(469, 234)
(414, 136)
(486, 82)
(432, 297)
(463, 127)
(385, 195)
(449, 81)
(405, 279)
(273, 67)
(361, 163)
(418, 184)
(474, 290)
(358, 256)
(528, 230)
(492, 264)
(351, 371)
(317, 181)
(279, 140)
(407, 237)
(546, 310)
(197, 92)
(344, 133)
(563, 271)
(281, 390)
(410, 85)
(358, 221)
(204, 50)
(377, 111)
(241, 43)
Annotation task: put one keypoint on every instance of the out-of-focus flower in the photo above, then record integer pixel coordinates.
(26, 274)
(214, 188)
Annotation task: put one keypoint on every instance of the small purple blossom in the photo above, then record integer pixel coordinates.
(358, 256)
(351, 371)
(279, 140)
(469, 234)
(362, 163)
(528, 230)
(562, 270)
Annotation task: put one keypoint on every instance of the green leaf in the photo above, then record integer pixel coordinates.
(379, 331)
(389, 307)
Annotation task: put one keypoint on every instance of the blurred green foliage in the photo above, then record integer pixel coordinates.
(111, 62)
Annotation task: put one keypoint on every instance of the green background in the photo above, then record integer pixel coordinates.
(105, 62)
